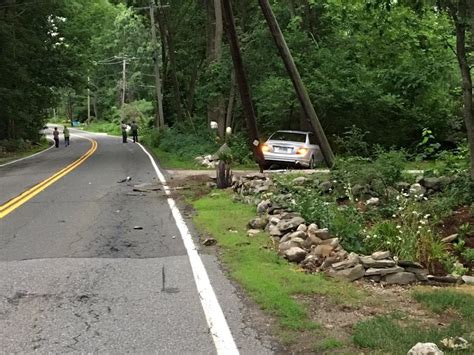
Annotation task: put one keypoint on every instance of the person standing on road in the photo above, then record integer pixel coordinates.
(66, 136)
(56, 137)
(124, 132)
(134, 127)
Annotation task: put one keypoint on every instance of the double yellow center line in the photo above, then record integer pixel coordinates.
(16, 202)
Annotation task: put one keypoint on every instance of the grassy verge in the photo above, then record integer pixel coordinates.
(396, 333)
(271, 281)
(7, 157)
(104, 127)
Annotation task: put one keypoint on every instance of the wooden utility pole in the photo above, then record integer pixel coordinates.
(88, 100)
(301, 91)
(242, 82)
(124, 80)
(160, 121)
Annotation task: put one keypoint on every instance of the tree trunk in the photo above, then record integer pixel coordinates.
(230, 104)
(460, 24)
(215, 108)
(168, 34)
(244, 88)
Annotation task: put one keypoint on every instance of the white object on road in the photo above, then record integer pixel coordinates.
(218, 327)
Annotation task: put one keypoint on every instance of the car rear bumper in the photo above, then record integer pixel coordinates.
(302, 160)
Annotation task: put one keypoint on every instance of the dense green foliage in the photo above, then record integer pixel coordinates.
(388, 71)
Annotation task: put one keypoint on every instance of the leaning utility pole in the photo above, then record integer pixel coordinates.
(159, 122)
(301, 91)
(242, 82)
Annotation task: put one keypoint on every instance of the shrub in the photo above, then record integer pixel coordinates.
(353, 142)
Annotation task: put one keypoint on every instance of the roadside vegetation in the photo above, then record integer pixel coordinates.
(16, 149)
(295, 299)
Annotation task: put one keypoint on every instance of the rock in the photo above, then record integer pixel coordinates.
(350, 274)
(425, 349)
(211, 185)
(282, 247)
(298, 234)
(312, 228)
(408, 263)
(351, 261)
(310, 241)
(322, 233)
(261, 189)
(300, 180)
(298, 241)
(326, 186)
(369, 262)
(263, 206)
(417, 190)
(455, 343)
(402, 186)
(258, 223)
(295, 254)
(328, 262)
(379, 255)
(357, 190)
(383, 271)
(400, 278)
(323, 250)
(334, 242)
(252, 232)
(274, 220)
(434, 183)
(289, 215)
(274, 231)
(302, 228)
(421, 274)
(373, 201)
(289, 225)
(468, 279)
(285, 238)
(450, 238)
(209, 241)
(443, 279)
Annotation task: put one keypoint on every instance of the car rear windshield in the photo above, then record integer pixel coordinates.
(289, 136)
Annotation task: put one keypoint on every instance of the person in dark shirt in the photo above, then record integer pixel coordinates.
(134, 127)
(56, 137)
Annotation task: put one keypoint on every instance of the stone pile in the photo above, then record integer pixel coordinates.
(316, 249)
(208, 161)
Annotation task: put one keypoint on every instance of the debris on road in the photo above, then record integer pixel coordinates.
(146, 187)
(209, 241)
(127, 179)
(138, 227)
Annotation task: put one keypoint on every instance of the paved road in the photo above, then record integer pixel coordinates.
(76, 276)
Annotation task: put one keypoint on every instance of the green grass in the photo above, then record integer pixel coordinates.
(440, 301)
(271, 281)
(397, 333)
(7, 157)
(104, 127)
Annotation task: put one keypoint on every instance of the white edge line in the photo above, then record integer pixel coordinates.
(29, 156)
(219, 329)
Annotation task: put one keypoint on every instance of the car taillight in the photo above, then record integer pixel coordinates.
(265, 148)
(302, 151)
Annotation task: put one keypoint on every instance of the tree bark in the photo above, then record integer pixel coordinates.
(460, 20)
(168, 34)
(215, 107)
(243, 85)
(230, 104)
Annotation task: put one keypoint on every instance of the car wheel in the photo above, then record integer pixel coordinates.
(311, 163)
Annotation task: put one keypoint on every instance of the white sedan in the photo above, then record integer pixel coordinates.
(295, 148)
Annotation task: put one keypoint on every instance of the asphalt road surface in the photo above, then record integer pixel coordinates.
(87, 264)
